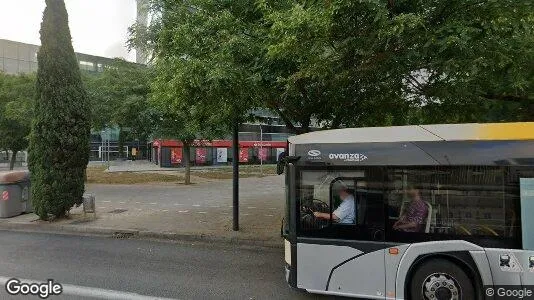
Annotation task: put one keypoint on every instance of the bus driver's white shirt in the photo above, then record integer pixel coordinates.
(346, 212)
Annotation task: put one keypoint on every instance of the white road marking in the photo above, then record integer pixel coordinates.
(176, 204)
(268, 215)
(196, 205)
(273, 208)
(201, 212)
(224, 213)
(215, 206)
(183, 211)
(245, 214)
(251, 207)
(153, 203)
(102, 207)
(165, 210)
(106, 201)
(139, 209)
(122, 202)
(90, 292)
(137, 202)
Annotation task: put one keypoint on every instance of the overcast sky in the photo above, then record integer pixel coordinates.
(98, 27)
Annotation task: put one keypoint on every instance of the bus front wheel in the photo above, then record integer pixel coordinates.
(440, 279)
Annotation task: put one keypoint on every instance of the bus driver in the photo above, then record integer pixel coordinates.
(346, 212)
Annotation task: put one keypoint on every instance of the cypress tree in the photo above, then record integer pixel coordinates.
(59, 141)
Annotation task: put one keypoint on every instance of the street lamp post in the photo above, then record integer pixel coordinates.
(109, 144)
(102, 146)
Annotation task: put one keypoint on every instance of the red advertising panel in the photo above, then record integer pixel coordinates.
(176, 156)
(201, 154)
(243, 155)
(262, 153)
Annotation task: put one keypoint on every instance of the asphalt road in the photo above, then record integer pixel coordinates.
(116, 268)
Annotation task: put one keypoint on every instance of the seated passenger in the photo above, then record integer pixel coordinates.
(345, 213)
(414, 216)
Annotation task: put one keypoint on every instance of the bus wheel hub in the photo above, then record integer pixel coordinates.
(440, 287)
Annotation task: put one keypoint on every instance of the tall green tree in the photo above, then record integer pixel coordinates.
(182, 120)
(119, 97)
(351, 63)
(16, 97)
(205, 55)
(207, 52)
(59, 140)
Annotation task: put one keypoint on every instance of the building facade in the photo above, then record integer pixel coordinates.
(21, 58)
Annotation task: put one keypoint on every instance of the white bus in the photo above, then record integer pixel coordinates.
(411, 212)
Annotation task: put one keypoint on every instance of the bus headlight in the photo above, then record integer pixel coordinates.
(287, 252)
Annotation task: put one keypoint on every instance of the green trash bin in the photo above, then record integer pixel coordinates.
(14, 193)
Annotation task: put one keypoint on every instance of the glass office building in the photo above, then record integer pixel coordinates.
(20, 58)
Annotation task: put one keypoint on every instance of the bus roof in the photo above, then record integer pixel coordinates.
(420, 133)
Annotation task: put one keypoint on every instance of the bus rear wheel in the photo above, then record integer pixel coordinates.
(440, 279)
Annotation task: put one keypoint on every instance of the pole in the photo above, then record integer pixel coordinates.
(261, 151)
(235, 164)
(102, 148)
(109, 138)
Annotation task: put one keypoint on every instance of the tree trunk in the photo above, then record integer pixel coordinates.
(187, 151)
(13, 159)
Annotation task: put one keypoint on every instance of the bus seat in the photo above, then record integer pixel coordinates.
(464, 230)
(428, 217)
(487, 229)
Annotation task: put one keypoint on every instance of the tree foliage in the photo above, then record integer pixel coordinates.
(59, 140)
(119, 97)
(16, 97)
(349, 63)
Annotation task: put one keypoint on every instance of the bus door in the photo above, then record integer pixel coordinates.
(527, 225)
(341, 249)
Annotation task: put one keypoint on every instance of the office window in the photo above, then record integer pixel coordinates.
(24, 66)
(24, 52)
(33, 67)
(33, 54)
(10, 51)
(86, 65)
(11, 66)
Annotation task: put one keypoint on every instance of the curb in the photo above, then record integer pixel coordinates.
(143, 234)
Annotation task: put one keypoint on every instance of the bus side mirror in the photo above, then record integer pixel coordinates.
(281, 163)
(280, 168)
(284, 159)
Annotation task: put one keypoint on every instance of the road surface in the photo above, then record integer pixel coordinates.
(133, 269)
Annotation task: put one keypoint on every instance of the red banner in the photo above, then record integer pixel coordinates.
(220, 144)
(201, 154)
(262, 153)
(243, 155)
(176, 156)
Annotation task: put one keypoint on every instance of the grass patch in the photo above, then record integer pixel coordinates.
(100, 176)
(244, 172)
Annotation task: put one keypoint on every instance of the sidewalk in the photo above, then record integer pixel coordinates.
(147, 166)
(170, 211)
